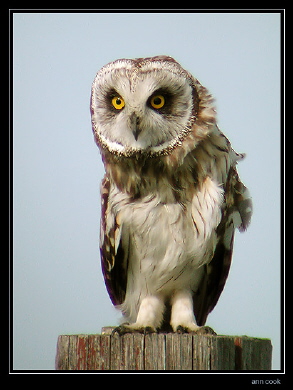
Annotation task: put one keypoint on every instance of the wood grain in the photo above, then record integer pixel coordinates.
(161, 352)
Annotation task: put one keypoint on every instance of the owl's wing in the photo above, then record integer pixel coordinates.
(112, 253)
(236, 214)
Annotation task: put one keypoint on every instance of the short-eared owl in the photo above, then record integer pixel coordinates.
(171, 195)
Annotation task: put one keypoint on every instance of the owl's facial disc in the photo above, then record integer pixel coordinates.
(142, 109)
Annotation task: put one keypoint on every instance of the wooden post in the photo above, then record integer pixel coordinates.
(162, 351)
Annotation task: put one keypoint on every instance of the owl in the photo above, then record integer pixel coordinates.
(171, 196)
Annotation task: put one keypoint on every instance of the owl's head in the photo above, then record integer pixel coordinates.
(148, 105)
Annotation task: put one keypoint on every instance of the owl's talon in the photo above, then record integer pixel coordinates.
(181, 329)
(117, 330)
(128, 328)
(120, 330)
(206, 330)
(149, 330)
(202, 330)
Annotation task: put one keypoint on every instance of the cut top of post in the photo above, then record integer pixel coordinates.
(162, 351)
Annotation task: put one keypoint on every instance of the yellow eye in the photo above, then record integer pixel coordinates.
(157, 101)
(118, 102)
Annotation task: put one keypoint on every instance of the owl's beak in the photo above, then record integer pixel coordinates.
(134, 124)
(136, 132)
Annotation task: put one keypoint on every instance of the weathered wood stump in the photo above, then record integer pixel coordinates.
(162, 351)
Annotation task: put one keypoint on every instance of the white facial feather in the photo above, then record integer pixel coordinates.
(158, 128)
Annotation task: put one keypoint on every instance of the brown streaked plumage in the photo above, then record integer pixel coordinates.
(171, 195)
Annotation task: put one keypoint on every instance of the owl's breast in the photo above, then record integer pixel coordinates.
(166, 240)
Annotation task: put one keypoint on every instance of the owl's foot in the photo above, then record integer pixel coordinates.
(133, 328)
(200, 330)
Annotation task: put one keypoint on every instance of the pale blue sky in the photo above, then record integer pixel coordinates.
(58, 285)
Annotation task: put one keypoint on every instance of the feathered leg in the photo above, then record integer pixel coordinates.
(149, 318)
(182, 315)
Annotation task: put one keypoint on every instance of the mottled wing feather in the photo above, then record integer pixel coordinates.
(112, 255)
(236, 214)
(213, 282)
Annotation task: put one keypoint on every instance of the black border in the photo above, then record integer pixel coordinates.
(218, 377)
